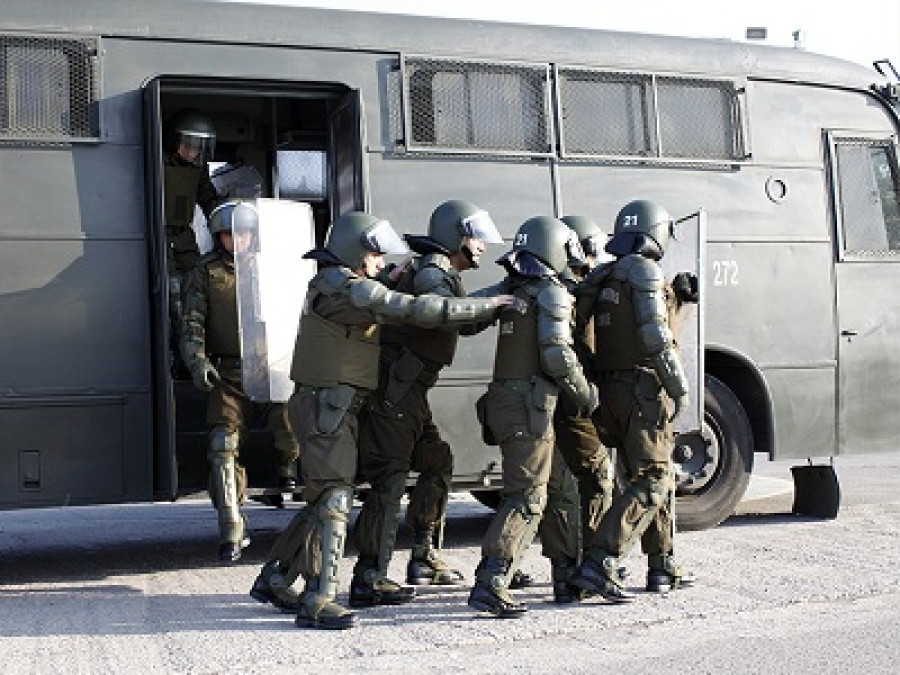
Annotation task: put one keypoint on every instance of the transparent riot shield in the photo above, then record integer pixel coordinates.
(685, 254)
(271, 285)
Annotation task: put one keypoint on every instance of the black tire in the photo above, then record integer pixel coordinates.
(488, 498)
(716, 475)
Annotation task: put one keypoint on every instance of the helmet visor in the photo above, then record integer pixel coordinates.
(481, 226)
(198, 149)
(574, 251)
(382, 238)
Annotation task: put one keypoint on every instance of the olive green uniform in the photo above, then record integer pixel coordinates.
(638, 371)
(186, 186)
(398, 434)
(335, 368)
(534, 361)
(211, 331)
(579, 490)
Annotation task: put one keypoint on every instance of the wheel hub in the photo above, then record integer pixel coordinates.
(696, 458)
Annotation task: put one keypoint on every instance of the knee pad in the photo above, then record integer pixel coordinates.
(651, 491)
(223, 443)
(334, 503)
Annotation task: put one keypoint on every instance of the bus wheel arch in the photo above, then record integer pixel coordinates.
(713, 466)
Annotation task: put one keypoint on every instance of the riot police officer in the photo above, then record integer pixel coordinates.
(580, 487)
(534, 363)
(335, 367)
(211, 350)
(643, 387)
(191, 143)
(397, 433)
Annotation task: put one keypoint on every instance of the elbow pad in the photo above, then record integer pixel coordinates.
(561, 364)
(670, 373)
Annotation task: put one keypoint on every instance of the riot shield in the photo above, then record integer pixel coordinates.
(271, 285)
(685, 254)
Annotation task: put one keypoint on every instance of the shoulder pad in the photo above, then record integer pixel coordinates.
(555, 300)
(645, 274)
(438, 260)
(428, 278)
(332, 279)
(366, 292)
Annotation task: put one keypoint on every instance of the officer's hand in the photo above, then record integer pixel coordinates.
(686, 287)
(397, 270)
(204, 374)
(680, 404)
(512, 301)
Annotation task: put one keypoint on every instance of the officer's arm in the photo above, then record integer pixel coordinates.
(427, 311)
(193, 325)
(558, 359)
(655, 339)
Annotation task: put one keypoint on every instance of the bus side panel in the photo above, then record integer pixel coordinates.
(75, 382)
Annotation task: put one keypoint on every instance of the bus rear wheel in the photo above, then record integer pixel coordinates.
(713, 466)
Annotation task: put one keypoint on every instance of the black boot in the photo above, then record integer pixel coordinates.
(369, 588)
(230, 551)
(564, 591)
(426, 567)
(321, 612)
(664, 574)
(520, 580)
(270, 587)
(593, 578)
(490, 593)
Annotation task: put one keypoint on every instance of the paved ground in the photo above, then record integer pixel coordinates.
(133, 588)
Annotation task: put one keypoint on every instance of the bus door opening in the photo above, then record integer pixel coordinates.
(288, 142)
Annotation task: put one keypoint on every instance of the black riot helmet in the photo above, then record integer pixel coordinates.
(195, 136)
(356, 233)
(455, 221)
(642, 227)
(543, 246)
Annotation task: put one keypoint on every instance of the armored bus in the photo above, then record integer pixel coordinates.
(791, 156)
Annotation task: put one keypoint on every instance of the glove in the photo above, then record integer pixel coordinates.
(685, 286)
(511, 301)
(680, 404)
(204, 374)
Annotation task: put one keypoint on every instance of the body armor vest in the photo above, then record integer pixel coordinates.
(328, 353)
(615, 327)
(222, 333)
(430, 344)
(517, 356)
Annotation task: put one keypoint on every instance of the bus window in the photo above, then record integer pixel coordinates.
(301, 175)
(868, 190)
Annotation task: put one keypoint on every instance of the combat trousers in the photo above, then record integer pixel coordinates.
(525, 436)
(394, 439)
(590, 464)
(633, 417)
(228, 408)
(329, 467)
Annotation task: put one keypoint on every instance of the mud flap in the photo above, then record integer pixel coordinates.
(817, 492)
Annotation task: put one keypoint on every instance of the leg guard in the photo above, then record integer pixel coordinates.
(375, 532)
(631, 513)
(328, 519)
(224, 487)
(514, 526)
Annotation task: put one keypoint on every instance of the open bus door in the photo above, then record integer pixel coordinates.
(347, 141)
(165, 470)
